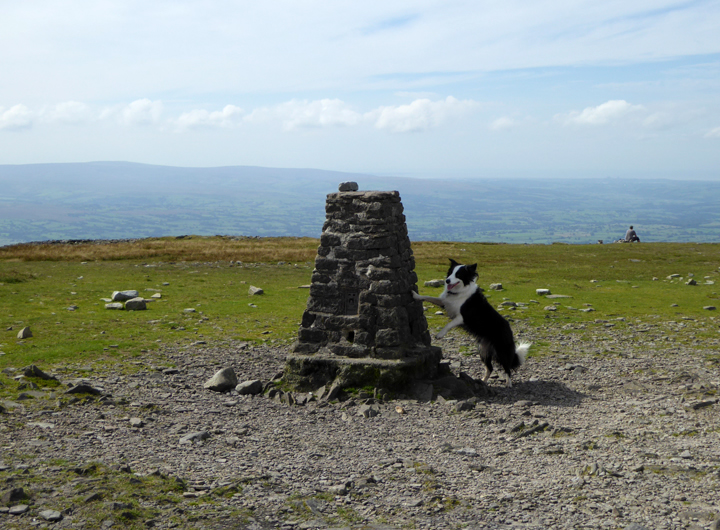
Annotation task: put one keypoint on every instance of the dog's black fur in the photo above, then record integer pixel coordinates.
(467, 307)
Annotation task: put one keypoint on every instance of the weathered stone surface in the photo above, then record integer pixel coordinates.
(252, 387)
(12, 496)
(360, 306)
(122, 296)
(51, 515)
(115, 305)
(24, 333)
(34, 371)
(84, 388)
(348, 186)
(195, 437)
(253, 291)
(136, 304)
(222, 381)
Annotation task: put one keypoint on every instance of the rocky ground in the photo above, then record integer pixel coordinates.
(605, 427)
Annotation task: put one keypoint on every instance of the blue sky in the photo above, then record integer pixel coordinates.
(422, 88)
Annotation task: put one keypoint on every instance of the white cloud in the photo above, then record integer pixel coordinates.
(713, 133)
(502, 123)
(228, 117)
(421, 114)
(16, 118)
(142, 112)
(296, 114)
(610, 111)
(68, 112)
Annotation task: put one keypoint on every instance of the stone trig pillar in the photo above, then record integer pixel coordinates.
(362, 326)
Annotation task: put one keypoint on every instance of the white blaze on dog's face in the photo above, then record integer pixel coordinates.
(460, 277)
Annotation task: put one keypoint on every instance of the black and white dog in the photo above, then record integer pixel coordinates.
(466, 306)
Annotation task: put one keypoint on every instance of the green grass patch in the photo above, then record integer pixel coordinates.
(60, 300)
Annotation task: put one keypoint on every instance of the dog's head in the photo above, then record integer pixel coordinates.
(460, 276)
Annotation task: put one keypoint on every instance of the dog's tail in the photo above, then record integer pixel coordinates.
(522, 351)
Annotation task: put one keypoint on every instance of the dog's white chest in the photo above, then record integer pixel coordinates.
(453, 303)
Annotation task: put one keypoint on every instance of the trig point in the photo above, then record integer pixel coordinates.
(362, 326)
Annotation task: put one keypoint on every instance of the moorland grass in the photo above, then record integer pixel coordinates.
(57, 290)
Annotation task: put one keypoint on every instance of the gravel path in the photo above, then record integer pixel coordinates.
(606, 428)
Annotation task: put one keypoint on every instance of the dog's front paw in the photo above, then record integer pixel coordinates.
(416, 296)
(440, 335)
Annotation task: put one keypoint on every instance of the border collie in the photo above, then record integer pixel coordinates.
(466, 306)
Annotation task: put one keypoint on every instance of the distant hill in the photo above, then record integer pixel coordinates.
(115, 200)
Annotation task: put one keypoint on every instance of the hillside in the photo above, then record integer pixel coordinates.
(114, 200)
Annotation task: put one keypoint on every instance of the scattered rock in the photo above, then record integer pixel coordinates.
(348, 186)
(84, 388)
(114, 305)
(222, 381)
(24, 333)
(542, 292)
(252, 387)
(51, 515)
(12, 496)
(18, 509)
(34, 371)
(136, 304)
(136, 422)
(252, 291)
(194, 437)
(368, 411)
(122, 296)
(496, 287)
(691, 282)
(435, 283)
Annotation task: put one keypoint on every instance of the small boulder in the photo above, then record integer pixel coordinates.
(251, 388)
(194, 437)
(542, 292)
(114, 305)
(252, 291)
(12, 496)
(435, 283)
(222, 381)
(84, 388)
(51, 515)
(122, 296)
(136, 304)
(368, 411)
(496, 287)
(24, 333)
(34, 371)
(348, 186)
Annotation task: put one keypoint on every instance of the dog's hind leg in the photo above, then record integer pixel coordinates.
(486, 352)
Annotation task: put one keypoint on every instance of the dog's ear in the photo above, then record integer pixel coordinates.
(453, 263)
(472, 269)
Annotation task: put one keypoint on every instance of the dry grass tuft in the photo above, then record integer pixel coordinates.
(183, 248)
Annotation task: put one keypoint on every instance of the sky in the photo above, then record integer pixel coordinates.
(423, 88)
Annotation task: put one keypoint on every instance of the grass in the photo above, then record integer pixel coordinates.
(40, 283)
